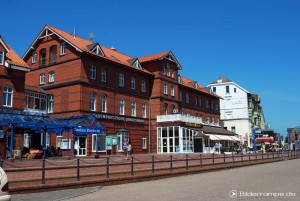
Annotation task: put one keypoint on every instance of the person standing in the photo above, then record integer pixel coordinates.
(129, 150)
(125, 148)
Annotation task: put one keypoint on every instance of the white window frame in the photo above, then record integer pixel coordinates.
(63, 48)
(93, 101)
(103, 75)
(144, 141)
(168, 70)
(26, 140)
(144, 110)
(51, 76)
(103, 103)
(50, 104)
(59, 141)
(133, 108)
(93, 72)
(132, 83)
(143, 86)
(7, 94)
(42, 78)
(47, 144)
(34, 56)
(121, 80)
(172, 90)
(165, 88)
(121, 106)
(2, 57)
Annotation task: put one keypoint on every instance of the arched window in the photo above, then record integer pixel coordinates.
(103, 75)
(93, 72)
(121, 106)
(93, 101)
(42, 78)
(165, 109)
(63, 48)
(103, 102)
(168, 70)
(43, 57)
(132, 83)
(133, 108)
(121, 80)
(51, 76)
(143, 86)
(34, 55)
(53, 53)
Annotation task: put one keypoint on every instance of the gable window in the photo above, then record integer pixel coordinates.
(121, 106)
(172, 90)
(144, 111)
(63, 48)
(103, 102)
(7, 97)
(42, 78)
(53, 53)
(33, 59)
(214, 89)
(187, 98)
(132, 83)
(51, 76)
(133, 108)
(168, 70)
(233, 129)
(93, 101)
(121, 80)
(1, 57)
(227, 89)
(43, 57)
(165, 88)
(143, 86)
(98, 50)
(103, 75)
(234, 90)
(180, 95)
(93, 72)
(50, 104)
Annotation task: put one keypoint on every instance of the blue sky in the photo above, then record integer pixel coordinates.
(255, 43)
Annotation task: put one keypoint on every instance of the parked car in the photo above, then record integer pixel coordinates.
(4, 196)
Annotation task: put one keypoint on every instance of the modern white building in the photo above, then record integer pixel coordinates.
(240, 110)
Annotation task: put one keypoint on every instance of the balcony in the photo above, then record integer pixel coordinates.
(179, 117)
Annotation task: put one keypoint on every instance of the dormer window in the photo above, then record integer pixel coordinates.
(168, 70)
(63, 48)
(196, 86)
(34, 55)
(179, 79)
(98, 50)
(137, 64)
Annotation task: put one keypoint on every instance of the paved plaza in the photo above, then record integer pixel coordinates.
(272, 181)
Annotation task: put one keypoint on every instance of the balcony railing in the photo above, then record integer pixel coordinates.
(179, 117)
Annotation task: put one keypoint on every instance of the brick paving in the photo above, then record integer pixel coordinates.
(26, 175)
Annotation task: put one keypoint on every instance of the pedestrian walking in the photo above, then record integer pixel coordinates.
(129, 150)
(125, 148)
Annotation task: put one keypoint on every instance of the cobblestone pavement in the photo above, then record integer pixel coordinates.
(272, 181)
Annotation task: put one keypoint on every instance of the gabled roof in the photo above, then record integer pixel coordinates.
(83, 45)
(163, 55)
(221, 80)
(35, 89)
(195, 85)
(13, 59)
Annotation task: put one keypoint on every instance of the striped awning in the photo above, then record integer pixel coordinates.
(212, 137)
(235, 138)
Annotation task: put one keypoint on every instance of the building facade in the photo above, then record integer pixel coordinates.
(240, 110)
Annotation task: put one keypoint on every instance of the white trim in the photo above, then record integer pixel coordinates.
(98, 50)
(19, 68)
(174, 59)
(2, 42)
(38, 38)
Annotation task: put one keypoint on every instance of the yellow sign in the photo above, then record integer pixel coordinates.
(194, 125)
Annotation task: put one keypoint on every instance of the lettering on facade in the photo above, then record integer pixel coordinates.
(118, 118)
(193, 125)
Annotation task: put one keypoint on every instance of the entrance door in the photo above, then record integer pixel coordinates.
(198, 145)
(80, 146)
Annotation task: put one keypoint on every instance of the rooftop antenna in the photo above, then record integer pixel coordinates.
(91, 35)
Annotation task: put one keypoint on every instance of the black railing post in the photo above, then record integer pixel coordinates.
(249, 157)
(1, 162)
(224, 158)
(78, 170)
(107, 167)
(242, 158)
(213, 158)
(132, 173)
(171, 163)
(262, 155)
(232, 157)
(273, 155)
(186, 162)
(43, 171)
(268, 155)
(200, 160)
(152, 164)
(256, 156)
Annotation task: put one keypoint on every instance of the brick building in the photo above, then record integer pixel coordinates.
(12, 82)
(129, 95)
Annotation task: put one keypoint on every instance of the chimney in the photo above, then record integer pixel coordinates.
(74, 34)
(113, 48)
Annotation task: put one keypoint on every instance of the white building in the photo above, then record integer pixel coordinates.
(236, 107)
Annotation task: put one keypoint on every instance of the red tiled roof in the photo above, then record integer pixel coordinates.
(13, 58)
(191, 84)
(153, 56)
(82, 44)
